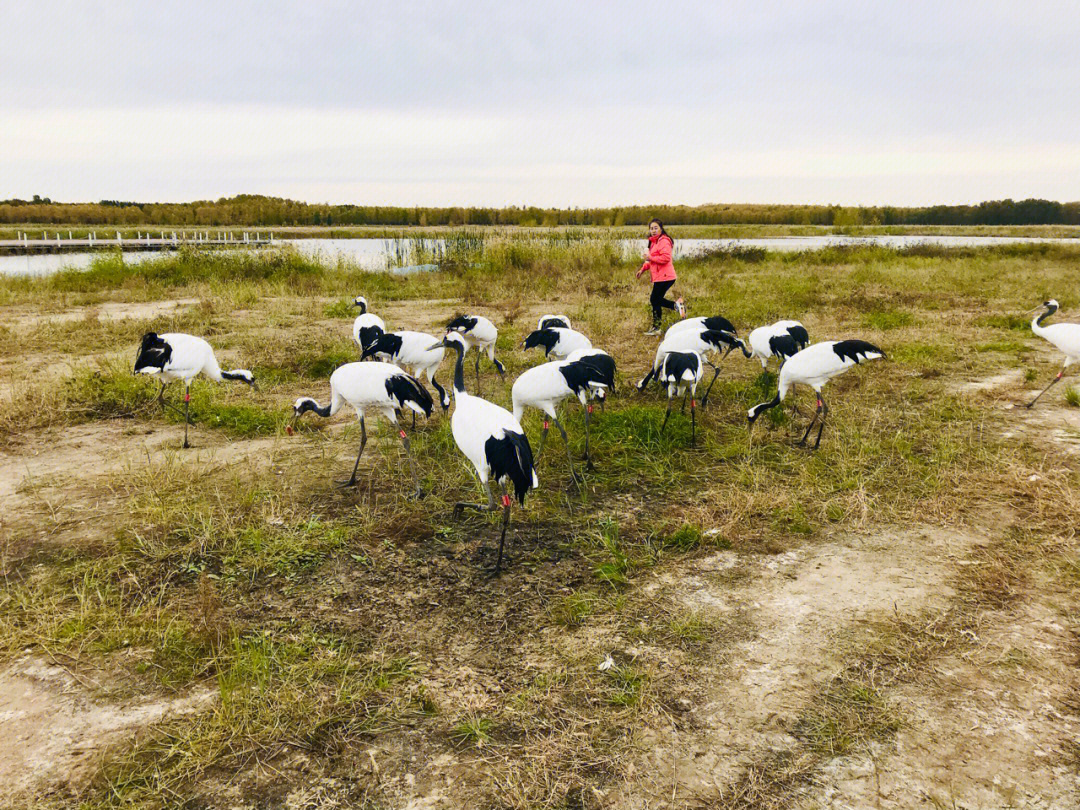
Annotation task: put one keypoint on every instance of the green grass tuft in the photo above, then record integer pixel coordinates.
(342, 308)
(1015, 323)
(473, 730)
(887, 319)
(685, 538)
(1003, 346)
(626, 686)
(573, 610)
(615, 570)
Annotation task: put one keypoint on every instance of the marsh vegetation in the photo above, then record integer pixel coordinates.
(889, 621)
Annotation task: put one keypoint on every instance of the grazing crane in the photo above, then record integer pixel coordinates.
(557, 341)
(548, 321)
(381, 388)
(478, 331)
(1065, 336)
(492, 439)
(681, 372)
(814, 366)
(714, 322)
(545, 386)
(603, 367)
(604, 364)
(413, 351)
(366, 327)
(781, 339)
(701, 341)
(176, 356)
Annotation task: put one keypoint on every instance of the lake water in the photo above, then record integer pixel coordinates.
(383, 254)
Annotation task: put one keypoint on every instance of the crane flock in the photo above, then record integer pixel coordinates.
(386, 382)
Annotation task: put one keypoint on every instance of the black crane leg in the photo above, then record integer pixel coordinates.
(824, 416)
(363, 441)
(1058, 377)
(813, 421)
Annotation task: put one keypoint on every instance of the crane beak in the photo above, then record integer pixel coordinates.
(441, 344)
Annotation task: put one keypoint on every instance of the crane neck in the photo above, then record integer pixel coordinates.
(1037, 326)
(459, 368)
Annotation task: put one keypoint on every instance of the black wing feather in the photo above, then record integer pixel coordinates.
(604, 367)
(675, 363)
(511, 457)
(852, 349)
(720, 323)
(542, 337)
(783, 346)
(404, 388)
(548, 323)
(719, 338)
(368, 335)
(799, 335)
(580, 373)
(154, 352)
(463, 322)
(386, 343)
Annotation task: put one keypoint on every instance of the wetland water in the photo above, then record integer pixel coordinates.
(391, 254)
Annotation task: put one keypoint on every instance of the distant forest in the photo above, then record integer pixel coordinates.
(256, 210)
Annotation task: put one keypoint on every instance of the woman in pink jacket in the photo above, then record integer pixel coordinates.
(662, 271)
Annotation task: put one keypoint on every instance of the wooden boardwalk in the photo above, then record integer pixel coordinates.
(56, 242)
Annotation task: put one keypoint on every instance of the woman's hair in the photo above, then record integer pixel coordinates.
(662, 231)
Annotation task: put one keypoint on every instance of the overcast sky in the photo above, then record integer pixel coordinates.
(547, 103)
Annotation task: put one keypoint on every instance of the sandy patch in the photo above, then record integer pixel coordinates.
(1010, 698)
(55, 733)
(110, 311)
(61, 479)
(1006, 379)
(800, 603)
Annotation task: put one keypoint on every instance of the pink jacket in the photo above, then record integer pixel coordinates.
(659, 262)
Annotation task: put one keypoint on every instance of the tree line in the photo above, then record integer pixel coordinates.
(255, 210)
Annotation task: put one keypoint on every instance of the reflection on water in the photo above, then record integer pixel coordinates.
(415, 255)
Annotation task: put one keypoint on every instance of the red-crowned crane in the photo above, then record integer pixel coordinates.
(557, 341)
(717, 323)
(814, 366)
(548, 321)
(701, 341)
(367, 326)
(412, 351)
(604, 363)
(478, 331)
(379, 388)
(492, 440)
(546, 385)
(176, 356)
(1065, 336)
(781, 339)
(681, 372)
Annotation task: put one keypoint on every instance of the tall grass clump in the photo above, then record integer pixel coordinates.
(731, 252)
(190, 266)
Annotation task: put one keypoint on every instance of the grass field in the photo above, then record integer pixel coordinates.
(890, 621)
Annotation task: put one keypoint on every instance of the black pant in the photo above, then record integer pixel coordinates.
(657, 300)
